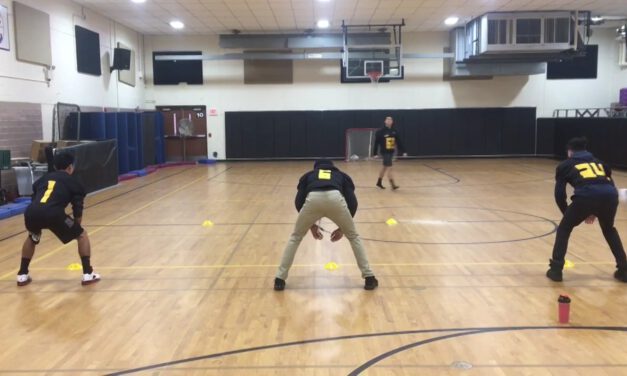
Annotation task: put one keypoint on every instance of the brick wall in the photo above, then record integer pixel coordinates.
(20, 124)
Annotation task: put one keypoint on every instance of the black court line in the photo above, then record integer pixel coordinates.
(452, 332)
(292, 223)
(441, 171)
(377, 359)
(468, 243)
(537, 219)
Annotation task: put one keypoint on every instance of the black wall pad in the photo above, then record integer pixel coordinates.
(606, 136)
(430, 132)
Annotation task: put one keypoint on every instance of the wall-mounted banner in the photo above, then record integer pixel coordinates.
(4, 28)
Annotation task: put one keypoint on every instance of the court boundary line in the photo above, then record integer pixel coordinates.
(369, 363)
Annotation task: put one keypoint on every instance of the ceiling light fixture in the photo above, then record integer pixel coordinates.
(451, 21)
(138, 1)
(177, 24)
(323, 24)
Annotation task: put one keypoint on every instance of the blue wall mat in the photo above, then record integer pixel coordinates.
(111, 125)
(133, 159)
(93, 126)
(122, 125)
(140, 140)
(69, 132)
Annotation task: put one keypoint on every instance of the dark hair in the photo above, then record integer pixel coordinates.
(323, 163)
(63, 161)
(577, 144)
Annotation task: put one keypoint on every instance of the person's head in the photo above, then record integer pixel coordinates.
(576, 144)
(323, 163)
(389, 121)
(64, 162)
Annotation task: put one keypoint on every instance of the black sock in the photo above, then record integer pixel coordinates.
(24, 266)
(379, 181)
(87, 269)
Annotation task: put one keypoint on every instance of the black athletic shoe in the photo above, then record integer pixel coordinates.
(380, 186)
(279, 284)
(621, 275)
(395, 187)
(554, 275)
(371, 283)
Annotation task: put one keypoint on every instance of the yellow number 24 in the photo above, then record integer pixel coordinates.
(590, 170)
(51, 184)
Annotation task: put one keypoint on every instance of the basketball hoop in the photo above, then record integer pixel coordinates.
(374, 76)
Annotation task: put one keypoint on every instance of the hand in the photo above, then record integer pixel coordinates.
(336, 235)
(590, 219)
(315, 232)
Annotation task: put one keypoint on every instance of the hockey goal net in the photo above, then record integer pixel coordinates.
(359, 143)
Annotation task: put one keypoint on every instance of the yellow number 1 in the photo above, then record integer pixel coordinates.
(51, 184)
(324, 174)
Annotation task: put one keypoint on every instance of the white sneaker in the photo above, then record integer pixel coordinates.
(23, 279)
(88, 279)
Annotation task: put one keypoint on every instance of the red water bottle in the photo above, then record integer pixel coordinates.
(563, 309)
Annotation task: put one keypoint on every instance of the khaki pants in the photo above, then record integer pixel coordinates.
(329, 204)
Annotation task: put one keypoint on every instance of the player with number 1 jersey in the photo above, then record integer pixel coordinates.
(52, 193)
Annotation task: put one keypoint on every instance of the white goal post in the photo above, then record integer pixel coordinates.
(359, 143)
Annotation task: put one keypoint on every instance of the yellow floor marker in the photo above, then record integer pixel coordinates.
(207, 223)
(569, 264)
(331, 266)
(74, 267)
(391, 222)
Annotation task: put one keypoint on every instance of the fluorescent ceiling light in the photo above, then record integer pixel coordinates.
(451, 21)
(138, 1)
(177, 24)
(323, 24)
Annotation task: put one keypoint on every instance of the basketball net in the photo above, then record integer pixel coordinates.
(374, 76)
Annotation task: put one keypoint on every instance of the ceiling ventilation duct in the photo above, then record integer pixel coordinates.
(516, 43)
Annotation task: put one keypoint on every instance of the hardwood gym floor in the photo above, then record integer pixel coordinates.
(462, 287)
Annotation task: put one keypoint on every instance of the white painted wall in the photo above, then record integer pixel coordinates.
(25, 82)
(316, 85)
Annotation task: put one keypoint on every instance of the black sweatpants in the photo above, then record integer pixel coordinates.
(604, 208)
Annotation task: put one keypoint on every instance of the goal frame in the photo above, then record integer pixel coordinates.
(346, 156)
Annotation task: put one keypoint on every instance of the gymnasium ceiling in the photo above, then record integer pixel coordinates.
(222, 16)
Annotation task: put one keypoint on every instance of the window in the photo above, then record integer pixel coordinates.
(497, 32)
(556, 30)
(528, 31)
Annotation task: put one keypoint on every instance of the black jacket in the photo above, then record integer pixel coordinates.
(388, 140)
(589, 176)
(326, 177)
(54, 191)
